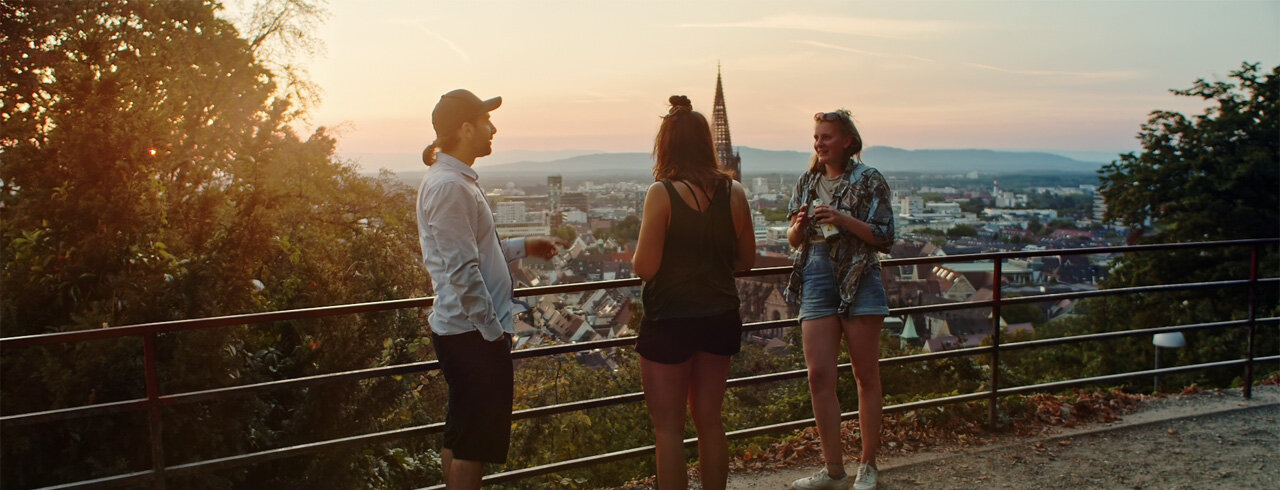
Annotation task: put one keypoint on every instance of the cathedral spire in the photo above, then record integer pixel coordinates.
(720, 133)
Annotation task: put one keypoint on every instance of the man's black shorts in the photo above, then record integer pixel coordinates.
(675, 340)
(477, 426)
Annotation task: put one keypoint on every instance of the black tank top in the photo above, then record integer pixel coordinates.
(695, 278)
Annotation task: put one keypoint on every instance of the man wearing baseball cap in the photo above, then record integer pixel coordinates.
(471, 319)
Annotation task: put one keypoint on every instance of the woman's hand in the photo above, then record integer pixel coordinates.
(795, 232)
(828, 215)
(801, 217)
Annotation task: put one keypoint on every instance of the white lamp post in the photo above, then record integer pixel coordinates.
(1170, 340)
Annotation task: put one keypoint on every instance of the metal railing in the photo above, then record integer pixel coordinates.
(155, 400)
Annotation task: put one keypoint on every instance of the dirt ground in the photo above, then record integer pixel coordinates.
(1190, 441)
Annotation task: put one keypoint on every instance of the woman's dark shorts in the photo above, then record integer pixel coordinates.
(477, 426)
(675, 340)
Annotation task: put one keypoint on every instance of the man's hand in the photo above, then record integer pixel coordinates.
(543, 247)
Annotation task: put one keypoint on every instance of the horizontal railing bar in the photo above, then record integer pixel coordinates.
(771, 377)
(576, 406)
(966, 305)
(532, 471)
(218, 393)
(1114, 377)
(966, 351)
(324, 311)
(311, 447)
(213, 322)
(400, 369)
(303, 382)
(796, 424)
(769, 325)
(764, 271)
(575, 287)
(108, 481)
(1027, 344)
(573, 347)
(190, 397)
(319, 312)
(136, 404)
(1074, 251)
(524, 473)
(1131, 290)
(250, 458)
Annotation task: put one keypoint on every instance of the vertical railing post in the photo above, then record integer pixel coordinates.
(153, 407)
(993, 404)
(1253, 312)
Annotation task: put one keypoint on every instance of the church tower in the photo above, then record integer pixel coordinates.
(720, 134)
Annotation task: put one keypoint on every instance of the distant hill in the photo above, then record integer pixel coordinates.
(757, 161)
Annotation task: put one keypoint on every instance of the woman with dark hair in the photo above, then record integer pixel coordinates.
(840, 218)
(695, 233)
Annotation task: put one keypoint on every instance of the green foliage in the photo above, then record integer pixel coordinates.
(958, 231)
(1069, 204)
(1022, 314)
(623, 231)
(566, 233)
(775, 213)
(932, 197)
(1212, 176)
(1063, 223)
(975, 205)
(1034, 225)
(150, 174)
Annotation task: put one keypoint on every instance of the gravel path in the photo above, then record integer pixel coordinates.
(1192, 441)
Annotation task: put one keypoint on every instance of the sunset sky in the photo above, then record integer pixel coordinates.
(595, 75)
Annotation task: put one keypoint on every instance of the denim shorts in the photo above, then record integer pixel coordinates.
(820, 291)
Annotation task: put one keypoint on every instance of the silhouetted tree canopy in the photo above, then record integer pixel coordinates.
(150, 173)
(1209, 177)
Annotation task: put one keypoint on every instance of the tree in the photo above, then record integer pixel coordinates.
(149, 173)
(975, 205)
(1034, 225)
(566, 233)
(1209, 177)
(775, 214)
(958, 231)
(625, 231)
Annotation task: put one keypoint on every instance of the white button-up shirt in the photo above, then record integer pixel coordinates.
(461, 249)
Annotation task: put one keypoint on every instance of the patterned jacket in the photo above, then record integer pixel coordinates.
(863, 194)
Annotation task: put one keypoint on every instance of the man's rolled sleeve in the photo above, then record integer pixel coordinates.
(456, 243)
(513, 249)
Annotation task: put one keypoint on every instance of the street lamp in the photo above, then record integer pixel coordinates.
(1170, 340)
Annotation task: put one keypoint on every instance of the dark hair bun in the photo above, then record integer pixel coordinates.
(680, 101)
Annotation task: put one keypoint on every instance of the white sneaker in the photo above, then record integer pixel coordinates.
(866, 479)
(822, 481)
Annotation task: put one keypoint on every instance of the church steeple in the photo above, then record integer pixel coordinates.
(720, 133)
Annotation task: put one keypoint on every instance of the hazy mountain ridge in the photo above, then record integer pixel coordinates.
(757, 161)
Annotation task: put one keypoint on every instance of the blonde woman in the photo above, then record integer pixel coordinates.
(840, 219)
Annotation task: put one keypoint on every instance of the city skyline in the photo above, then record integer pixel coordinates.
(577, 76)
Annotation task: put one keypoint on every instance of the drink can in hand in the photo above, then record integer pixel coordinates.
(828, 230)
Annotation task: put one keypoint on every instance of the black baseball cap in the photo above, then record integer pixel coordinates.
(457, 107)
